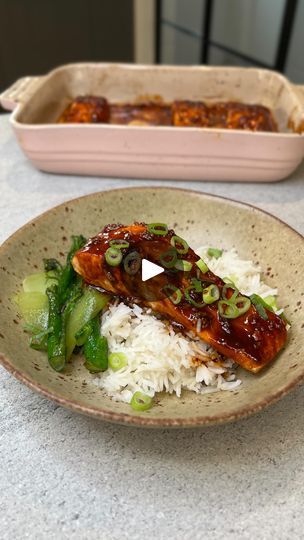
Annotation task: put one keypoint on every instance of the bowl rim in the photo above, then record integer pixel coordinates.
(142, 420)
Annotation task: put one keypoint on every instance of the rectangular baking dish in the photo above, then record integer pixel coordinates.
(156, 151)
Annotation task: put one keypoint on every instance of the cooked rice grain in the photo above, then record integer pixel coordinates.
(159, 359)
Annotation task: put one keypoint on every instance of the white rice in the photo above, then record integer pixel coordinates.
(245, 274)
(160, 359)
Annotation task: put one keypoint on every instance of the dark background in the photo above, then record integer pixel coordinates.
(38, 35)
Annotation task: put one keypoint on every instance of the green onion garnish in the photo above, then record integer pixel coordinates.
(261, 311)
(113, 256)
(202, 266)
(214, 252)
(179, 244)
(173, 293)
(243, 304)
(228, 309)
(117, 361)
(260, 305)
(132, 263)
(185, 266)
(168, 258)
(197, 284)
(284, 318)
(161, 229)
(229, 287)
(191, 300)
(229, 280)
(211, 294)
(271, 303)
(141, 402)
(119, 243)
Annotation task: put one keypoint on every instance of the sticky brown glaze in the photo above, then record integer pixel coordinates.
(150, 114)
(250, 340)
(183, 113)
(228, 115)
(86, 110)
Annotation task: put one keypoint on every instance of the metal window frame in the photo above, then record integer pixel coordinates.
(285, 35)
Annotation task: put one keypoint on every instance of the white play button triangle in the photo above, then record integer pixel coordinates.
(149, 270)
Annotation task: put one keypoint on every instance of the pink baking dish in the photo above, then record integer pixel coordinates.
(157, 152)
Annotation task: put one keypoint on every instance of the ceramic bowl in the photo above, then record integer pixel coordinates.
(199, 218)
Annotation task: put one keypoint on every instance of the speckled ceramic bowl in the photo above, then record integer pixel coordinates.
(201, 219)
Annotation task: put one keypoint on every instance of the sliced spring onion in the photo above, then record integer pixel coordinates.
(284, 318)
(227, 288)
(191, 300)
(197, 284)
(243, 304)
(228, 309)
(185, 266)
(215, 252)
(173, 293)
(260, 305)
(179, 244)
(261, 311)
(202, 266)
(211, 294)
(141, 402)
(113, 256)
(119, 243)
(132, 263)
(117, 361)
(168, 258)
(229, 280)
(271, 303)
(160, 229)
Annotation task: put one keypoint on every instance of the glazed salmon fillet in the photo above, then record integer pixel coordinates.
(250, 339)
(86, 110)
(227, 115)
(179, 113)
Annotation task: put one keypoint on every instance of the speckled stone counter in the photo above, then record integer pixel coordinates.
(64, 476)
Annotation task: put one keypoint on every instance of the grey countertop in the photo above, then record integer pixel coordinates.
(65, 476)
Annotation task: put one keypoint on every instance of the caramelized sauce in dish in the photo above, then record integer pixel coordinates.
(183, 113)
